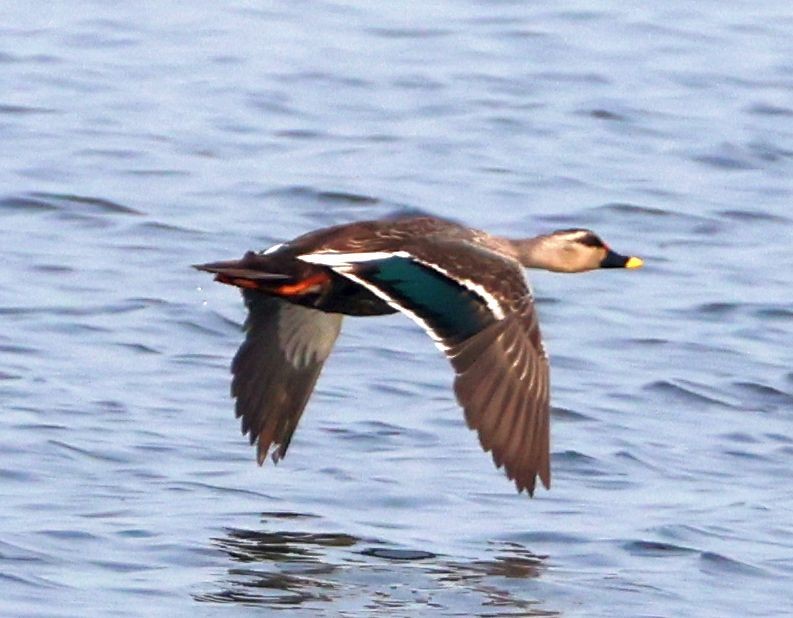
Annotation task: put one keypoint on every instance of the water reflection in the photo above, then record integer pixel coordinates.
(310, 568)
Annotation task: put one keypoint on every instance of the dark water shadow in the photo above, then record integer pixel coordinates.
(316, 570)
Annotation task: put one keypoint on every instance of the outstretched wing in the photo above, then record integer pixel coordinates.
(277, 366)
(503, 385)
(489, 331)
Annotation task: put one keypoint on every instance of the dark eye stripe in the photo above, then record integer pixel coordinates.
(583, 236)
(590, 240)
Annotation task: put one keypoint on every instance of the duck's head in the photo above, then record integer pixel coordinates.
(572, 251)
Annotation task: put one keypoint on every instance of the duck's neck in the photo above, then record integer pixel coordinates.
(536, 252)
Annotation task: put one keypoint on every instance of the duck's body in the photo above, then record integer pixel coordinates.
(463, 286)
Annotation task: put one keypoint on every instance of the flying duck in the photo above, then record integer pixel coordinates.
(464, 287)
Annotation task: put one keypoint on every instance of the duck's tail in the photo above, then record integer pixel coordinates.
(268, 274)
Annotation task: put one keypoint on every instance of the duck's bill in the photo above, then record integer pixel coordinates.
(615, 260)
(634, 262)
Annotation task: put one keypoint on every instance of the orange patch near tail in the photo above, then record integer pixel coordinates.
(240, 283)
(288, 289)
(292, 289)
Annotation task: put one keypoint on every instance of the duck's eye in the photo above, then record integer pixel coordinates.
(590, 240)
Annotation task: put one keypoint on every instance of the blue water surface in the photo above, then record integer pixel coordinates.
(139, 138)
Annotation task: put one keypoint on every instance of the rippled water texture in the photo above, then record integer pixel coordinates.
(137, 139)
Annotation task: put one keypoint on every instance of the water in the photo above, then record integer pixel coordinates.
(136, 140)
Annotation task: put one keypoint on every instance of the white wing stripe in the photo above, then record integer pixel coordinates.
(381, 294)
(273, 249)
(491, 301)
(340, 260)
(334, 260)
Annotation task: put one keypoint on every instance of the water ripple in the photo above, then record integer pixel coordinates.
(225, 128)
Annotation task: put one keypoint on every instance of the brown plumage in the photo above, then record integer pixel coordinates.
(463, 286)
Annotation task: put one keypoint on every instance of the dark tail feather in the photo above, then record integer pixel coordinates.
(249, 272)
(233, 269)
(251, 266)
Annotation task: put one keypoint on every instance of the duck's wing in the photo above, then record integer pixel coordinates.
(277, 366)
(476, 306)
(503, 385)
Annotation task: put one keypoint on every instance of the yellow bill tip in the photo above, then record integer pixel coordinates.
(634, 262)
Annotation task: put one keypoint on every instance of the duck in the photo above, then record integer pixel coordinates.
(464, 287)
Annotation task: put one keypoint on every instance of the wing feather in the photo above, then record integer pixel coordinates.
(516, 430)
(277, 366)
(492, 340)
